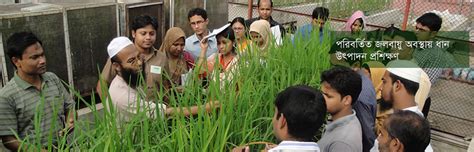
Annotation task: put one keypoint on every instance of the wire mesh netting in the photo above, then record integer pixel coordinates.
(451, 100)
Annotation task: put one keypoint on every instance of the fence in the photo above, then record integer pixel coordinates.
(75, 37)
(456, 14)
(451, 100)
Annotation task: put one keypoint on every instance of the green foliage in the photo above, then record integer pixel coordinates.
(244, 116)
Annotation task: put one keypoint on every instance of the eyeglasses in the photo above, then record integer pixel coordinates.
(420, 29)
(197, 23)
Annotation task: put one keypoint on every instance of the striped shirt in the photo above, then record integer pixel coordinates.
(293, 146)
(20, 101)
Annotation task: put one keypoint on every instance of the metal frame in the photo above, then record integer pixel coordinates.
(67, 46)
(3, 73)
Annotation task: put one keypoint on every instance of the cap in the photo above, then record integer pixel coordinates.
(117, 44)
(405, 69)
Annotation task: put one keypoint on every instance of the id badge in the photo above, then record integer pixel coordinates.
(155, 69)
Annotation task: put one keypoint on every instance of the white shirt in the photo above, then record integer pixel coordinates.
(294, 146)
(417, 111)
(128, 102)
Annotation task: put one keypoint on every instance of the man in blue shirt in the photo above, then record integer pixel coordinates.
(318, 19)
(198, 21)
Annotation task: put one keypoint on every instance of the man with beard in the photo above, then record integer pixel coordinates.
(404, 131)
(33, 96)
(125, 92)
(143, 30)
(399, 86)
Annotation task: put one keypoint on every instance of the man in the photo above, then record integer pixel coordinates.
(366, 104)
(405, 53)
(299, 113)
(32, 92)
(125, 91)
(318, 19)
(432, 60)
(399, 86)
(144, 29)
(404, 131)
(341, 87)
(265, 9)
(198, 20)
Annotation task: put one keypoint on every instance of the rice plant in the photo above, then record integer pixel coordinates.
(244, 116)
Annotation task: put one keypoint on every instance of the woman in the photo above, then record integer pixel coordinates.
(260, 34)
(179, 61)
(225, 60)
(238, 25)
(356, 23)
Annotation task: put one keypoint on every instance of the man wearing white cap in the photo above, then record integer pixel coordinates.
(126, 95)
(155, 62)
(399, 86)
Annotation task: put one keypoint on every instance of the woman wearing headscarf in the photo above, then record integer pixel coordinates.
(179, 61)
(356, 23)
(260, 34)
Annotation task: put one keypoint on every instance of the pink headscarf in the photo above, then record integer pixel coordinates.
(355, 16)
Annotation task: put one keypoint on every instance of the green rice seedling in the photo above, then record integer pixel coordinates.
(244, 116)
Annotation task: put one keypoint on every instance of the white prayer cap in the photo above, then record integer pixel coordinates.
(117, 44)
(405, 69)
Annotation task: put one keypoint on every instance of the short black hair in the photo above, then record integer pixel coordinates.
(271, 3)
(320, 13)
(18, 42)
(344, 80)
(410, 86)
(431, 20)
(304, 109)
(411, 129)
(390, 31)
(197, 11)
(142, 21)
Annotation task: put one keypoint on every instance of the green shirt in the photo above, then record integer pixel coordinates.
(20, 101)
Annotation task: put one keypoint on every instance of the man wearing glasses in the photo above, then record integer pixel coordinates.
(198, 21)
(432, 60)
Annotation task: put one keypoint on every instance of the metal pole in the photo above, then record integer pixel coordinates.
(171, 13)
(3, 63)
(405, 17)
(250, 9)
(68, 53)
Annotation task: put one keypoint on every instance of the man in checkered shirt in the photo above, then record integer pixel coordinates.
(432, 60)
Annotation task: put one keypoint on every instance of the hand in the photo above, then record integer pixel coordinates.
(269, 146)
(204, 44)
(68, 128)
(179, 89)
(212, 104)
(241, 149)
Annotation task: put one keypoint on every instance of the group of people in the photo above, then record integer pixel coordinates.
(349, 95)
